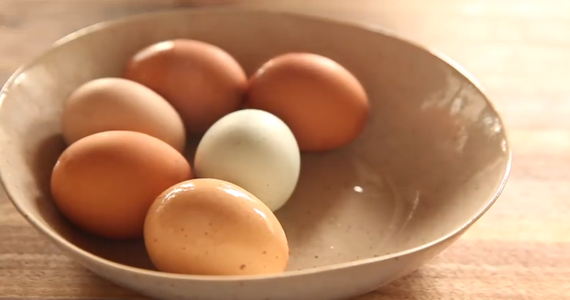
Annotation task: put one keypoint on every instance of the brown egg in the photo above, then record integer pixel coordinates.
(212, 227)
(201, 81)
(105, 182)
(324, 104)
(118, 104)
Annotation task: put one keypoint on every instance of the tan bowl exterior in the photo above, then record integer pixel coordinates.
(433, 158)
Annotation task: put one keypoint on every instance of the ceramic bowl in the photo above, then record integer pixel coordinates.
(433, 158)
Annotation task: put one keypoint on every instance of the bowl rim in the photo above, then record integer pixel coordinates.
(67, 246)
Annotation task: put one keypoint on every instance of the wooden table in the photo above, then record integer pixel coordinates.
(519, 50)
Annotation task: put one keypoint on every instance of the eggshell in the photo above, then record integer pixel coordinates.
(202, 81)
(323, 103)
(212, 227)
(106, 182)
(254, 150)
(118, 104)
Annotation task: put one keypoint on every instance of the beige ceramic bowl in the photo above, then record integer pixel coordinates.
(433, 158)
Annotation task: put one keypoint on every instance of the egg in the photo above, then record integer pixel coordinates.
(118, 104)
(325, 106)
(254, 150)
(213, 227)
(106, 182)
(201, 81)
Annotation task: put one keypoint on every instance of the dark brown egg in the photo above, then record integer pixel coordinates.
(106, 182)
(325, 106)
(201, 81)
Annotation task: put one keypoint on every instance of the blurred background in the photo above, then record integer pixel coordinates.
(518, 49)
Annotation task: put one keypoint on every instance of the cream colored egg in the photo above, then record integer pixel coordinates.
(118, 104)
(254, 150)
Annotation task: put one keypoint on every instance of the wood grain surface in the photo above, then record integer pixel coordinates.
(518, 49)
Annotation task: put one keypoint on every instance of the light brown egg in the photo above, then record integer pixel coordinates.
(106, 182)
(212, 227)
(325, 106)
(202, 81)
(118, 104)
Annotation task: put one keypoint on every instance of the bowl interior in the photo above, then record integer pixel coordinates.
(430, 159)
